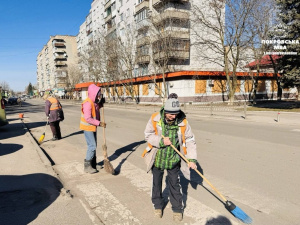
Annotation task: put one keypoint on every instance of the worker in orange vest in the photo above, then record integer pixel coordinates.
(52, 106)
(90, 119)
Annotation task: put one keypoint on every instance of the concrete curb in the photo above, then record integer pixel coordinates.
(47, 162)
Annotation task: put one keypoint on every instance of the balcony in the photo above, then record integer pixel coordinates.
(108, 18)
(175, 54)
(143, 41)
(171, 14)
(60, 63)
(182, 35)
(142, 5)
(144, 59)
(108, 4)
(110, 30)
(143, 24)
(159, 3)
(58, 50)
(60, 57)
(59, 44)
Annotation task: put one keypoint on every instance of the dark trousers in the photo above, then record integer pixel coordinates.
(175, 193)
(55, 129)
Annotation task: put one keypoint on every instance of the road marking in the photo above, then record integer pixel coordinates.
(296, 130)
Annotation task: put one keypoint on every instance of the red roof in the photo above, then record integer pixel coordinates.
(265, 60)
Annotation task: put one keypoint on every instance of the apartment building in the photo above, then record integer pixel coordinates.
(53, 62)
(159, 45)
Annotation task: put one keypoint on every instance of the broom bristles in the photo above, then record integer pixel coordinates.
(108, 167)
(237, 212)
(240, 214)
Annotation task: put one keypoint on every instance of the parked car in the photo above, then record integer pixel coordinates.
(13, 100)
(3, 120)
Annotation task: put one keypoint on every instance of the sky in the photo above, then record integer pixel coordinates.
(26, 26)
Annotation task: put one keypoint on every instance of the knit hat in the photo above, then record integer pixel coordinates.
(172, 106)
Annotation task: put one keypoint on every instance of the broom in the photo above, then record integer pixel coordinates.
(43, 135)
(232, 208)
(107, 165)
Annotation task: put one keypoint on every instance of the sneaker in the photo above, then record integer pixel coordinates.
(158, 213)
(177, 217)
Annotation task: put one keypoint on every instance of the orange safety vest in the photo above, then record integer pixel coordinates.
(54, 103)
(182, 128)
(85, 125)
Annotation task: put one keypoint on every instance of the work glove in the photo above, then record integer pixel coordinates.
(102, 124)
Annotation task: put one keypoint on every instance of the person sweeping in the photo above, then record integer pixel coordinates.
(165, 128)
(90, 120)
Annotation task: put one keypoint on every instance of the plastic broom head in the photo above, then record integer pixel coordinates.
(42, 138)
(238, 212)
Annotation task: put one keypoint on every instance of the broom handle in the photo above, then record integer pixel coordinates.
(46, 125)
(104, 139)
(201, 175)
(103, 127)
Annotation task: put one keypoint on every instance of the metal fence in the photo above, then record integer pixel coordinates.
(236, 109)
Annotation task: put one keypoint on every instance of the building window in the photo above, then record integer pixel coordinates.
(122, 32)
(128, 12)
(141, 15)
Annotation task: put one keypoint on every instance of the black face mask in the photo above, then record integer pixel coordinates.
(97, 100)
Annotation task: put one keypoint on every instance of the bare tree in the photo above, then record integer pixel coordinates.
(261, 20)
(74, 75)
(4, 85)
(221, 38)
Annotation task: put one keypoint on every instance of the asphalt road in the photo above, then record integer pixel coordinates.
(253, 163)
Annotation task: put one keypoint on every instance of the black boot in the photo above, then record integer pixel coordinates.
(88, 167)
(94, 163)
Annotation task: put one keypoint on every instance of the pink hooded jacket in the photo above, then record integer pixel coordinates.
(87, 108)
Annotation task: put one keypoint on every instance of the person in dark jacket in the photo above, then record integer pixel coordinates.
(52, 106)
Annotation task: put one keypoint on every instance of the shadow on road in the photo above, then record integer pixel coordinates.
(23, 198)
(220, 220)
(6, 149)
(128, 148)
(72, 134)
(11, 130)
(279, 105)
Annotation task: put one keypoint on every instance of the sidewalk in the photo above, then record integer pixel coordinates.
(30, 191)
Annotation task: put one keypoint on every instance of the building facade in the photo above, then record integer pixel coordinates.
(53, 62)
(157, 52)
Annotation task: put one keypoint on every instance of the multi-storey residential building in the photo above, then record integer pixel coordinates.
(53, 62)
(157, 49)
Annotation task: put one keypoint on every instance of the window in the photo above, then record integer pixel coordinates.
(121, 2)
(141, 15)
(122, 32)
(128, 12)
(121, 17)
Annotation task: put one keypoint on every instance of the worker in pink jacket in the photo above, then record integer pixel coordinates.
(90, 120)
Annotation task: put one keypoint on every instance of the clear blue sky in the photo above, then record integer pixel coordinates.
(26, 26)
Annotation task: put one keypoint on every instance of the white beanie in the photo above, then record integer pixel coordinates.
(172, 106)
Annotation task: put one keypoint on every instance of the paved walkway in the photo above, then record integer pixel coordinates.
(30, 190)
